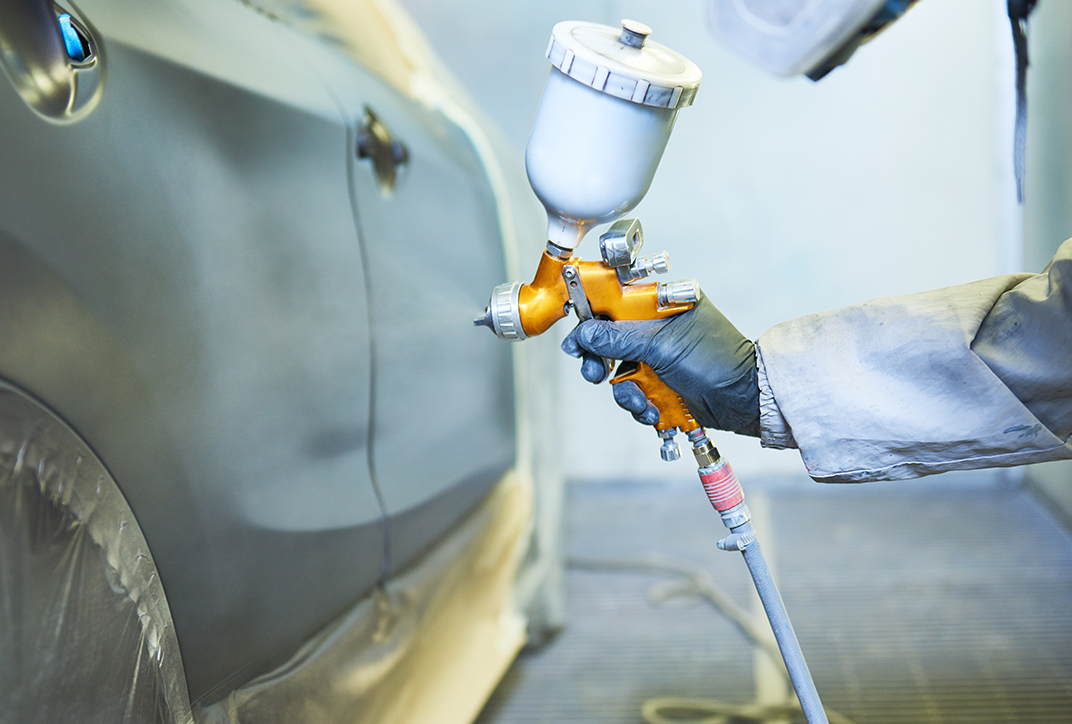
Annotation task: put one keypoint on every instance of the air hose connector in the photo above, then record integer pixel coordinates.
(722, 487)
(704, 451)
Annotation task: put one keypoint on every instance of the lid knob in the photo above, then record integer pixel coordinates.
(634, 34)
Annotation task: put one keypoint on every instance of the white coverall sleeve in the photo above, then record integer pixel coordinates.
(972, 376)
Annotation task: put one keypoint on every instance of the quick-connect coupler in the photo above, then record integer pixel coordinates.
(721, 485)
(724, 491)
(726, 496)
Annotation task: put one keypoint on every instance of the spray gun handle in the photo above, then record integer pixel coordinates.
(673, 412)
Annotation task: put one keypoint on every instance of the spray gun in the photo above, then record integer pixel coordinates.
(604, 119)
(610, 289)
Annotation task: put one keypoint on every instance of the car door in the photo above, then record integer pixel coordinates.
(443, 410)
(199, 223)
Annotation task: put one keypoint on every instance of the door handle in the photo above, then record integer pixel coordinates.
(51, 58)
(375, 143)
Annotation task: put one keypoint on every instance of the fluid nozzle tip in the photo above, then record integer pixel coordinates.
(484, 320)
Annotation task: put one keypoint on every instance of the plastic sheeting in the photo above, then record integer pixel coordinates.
(85, 633)
(429, 647)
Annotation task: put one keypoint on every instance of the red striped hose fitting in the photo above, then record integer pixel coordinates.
(723, 489)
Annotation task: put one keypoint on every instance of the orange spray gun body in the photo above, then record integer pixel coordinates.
(614, 289)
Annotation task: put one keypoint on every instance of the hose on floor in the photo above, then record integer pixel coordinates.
(694, 583)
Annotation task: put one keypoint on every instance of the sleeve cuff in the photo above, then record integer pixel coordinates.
(774, 431)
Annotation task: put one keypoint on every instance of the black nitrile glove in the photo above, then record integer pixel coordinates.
(699, 354)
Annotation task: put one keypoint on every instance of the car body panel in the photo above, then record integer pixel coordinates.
(443, 417)
(222, 260)
(209, 287)
(245, 322)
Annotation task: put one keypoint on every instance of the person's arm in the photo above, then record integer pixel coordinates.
(976, 375)
(972, 376)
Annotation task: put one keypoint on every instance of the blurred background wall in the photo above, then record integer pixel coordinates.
(784, 197)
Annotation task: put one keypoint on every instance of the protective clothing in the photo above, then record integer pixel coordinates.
(699, 354)
(971, 376)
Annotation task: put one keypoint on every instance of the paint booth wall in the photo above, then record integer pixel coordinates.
(1048, 206)
(783, 197)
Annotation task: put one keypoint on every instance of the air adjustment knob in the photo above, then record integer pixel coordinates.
(669, 450)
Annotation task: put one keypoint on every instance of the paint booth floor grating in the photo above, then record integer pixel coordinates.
(947, 599)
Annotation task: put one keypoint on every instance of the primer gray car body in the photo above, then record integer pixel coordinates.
(268, 346)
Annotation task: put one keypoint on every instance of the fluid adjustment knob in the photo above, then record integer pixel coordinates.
(672, 294)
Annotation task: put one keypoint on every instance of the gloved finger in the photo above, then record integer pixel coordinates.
(594, 368)
(617, 340)
(650, 416)
(569, 344)
(631, 398)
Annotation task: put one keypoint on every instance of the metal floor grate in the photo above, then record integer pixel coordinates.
(942, 600)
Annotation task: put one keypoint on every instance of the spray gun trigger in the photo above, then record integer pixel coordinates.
(575, 287)
(594, 369)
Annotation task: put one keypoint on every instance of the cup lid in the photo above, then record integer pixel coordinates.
(623, 63)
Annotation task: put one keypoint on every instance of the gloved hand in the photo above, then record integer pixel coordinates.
(699, 354)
